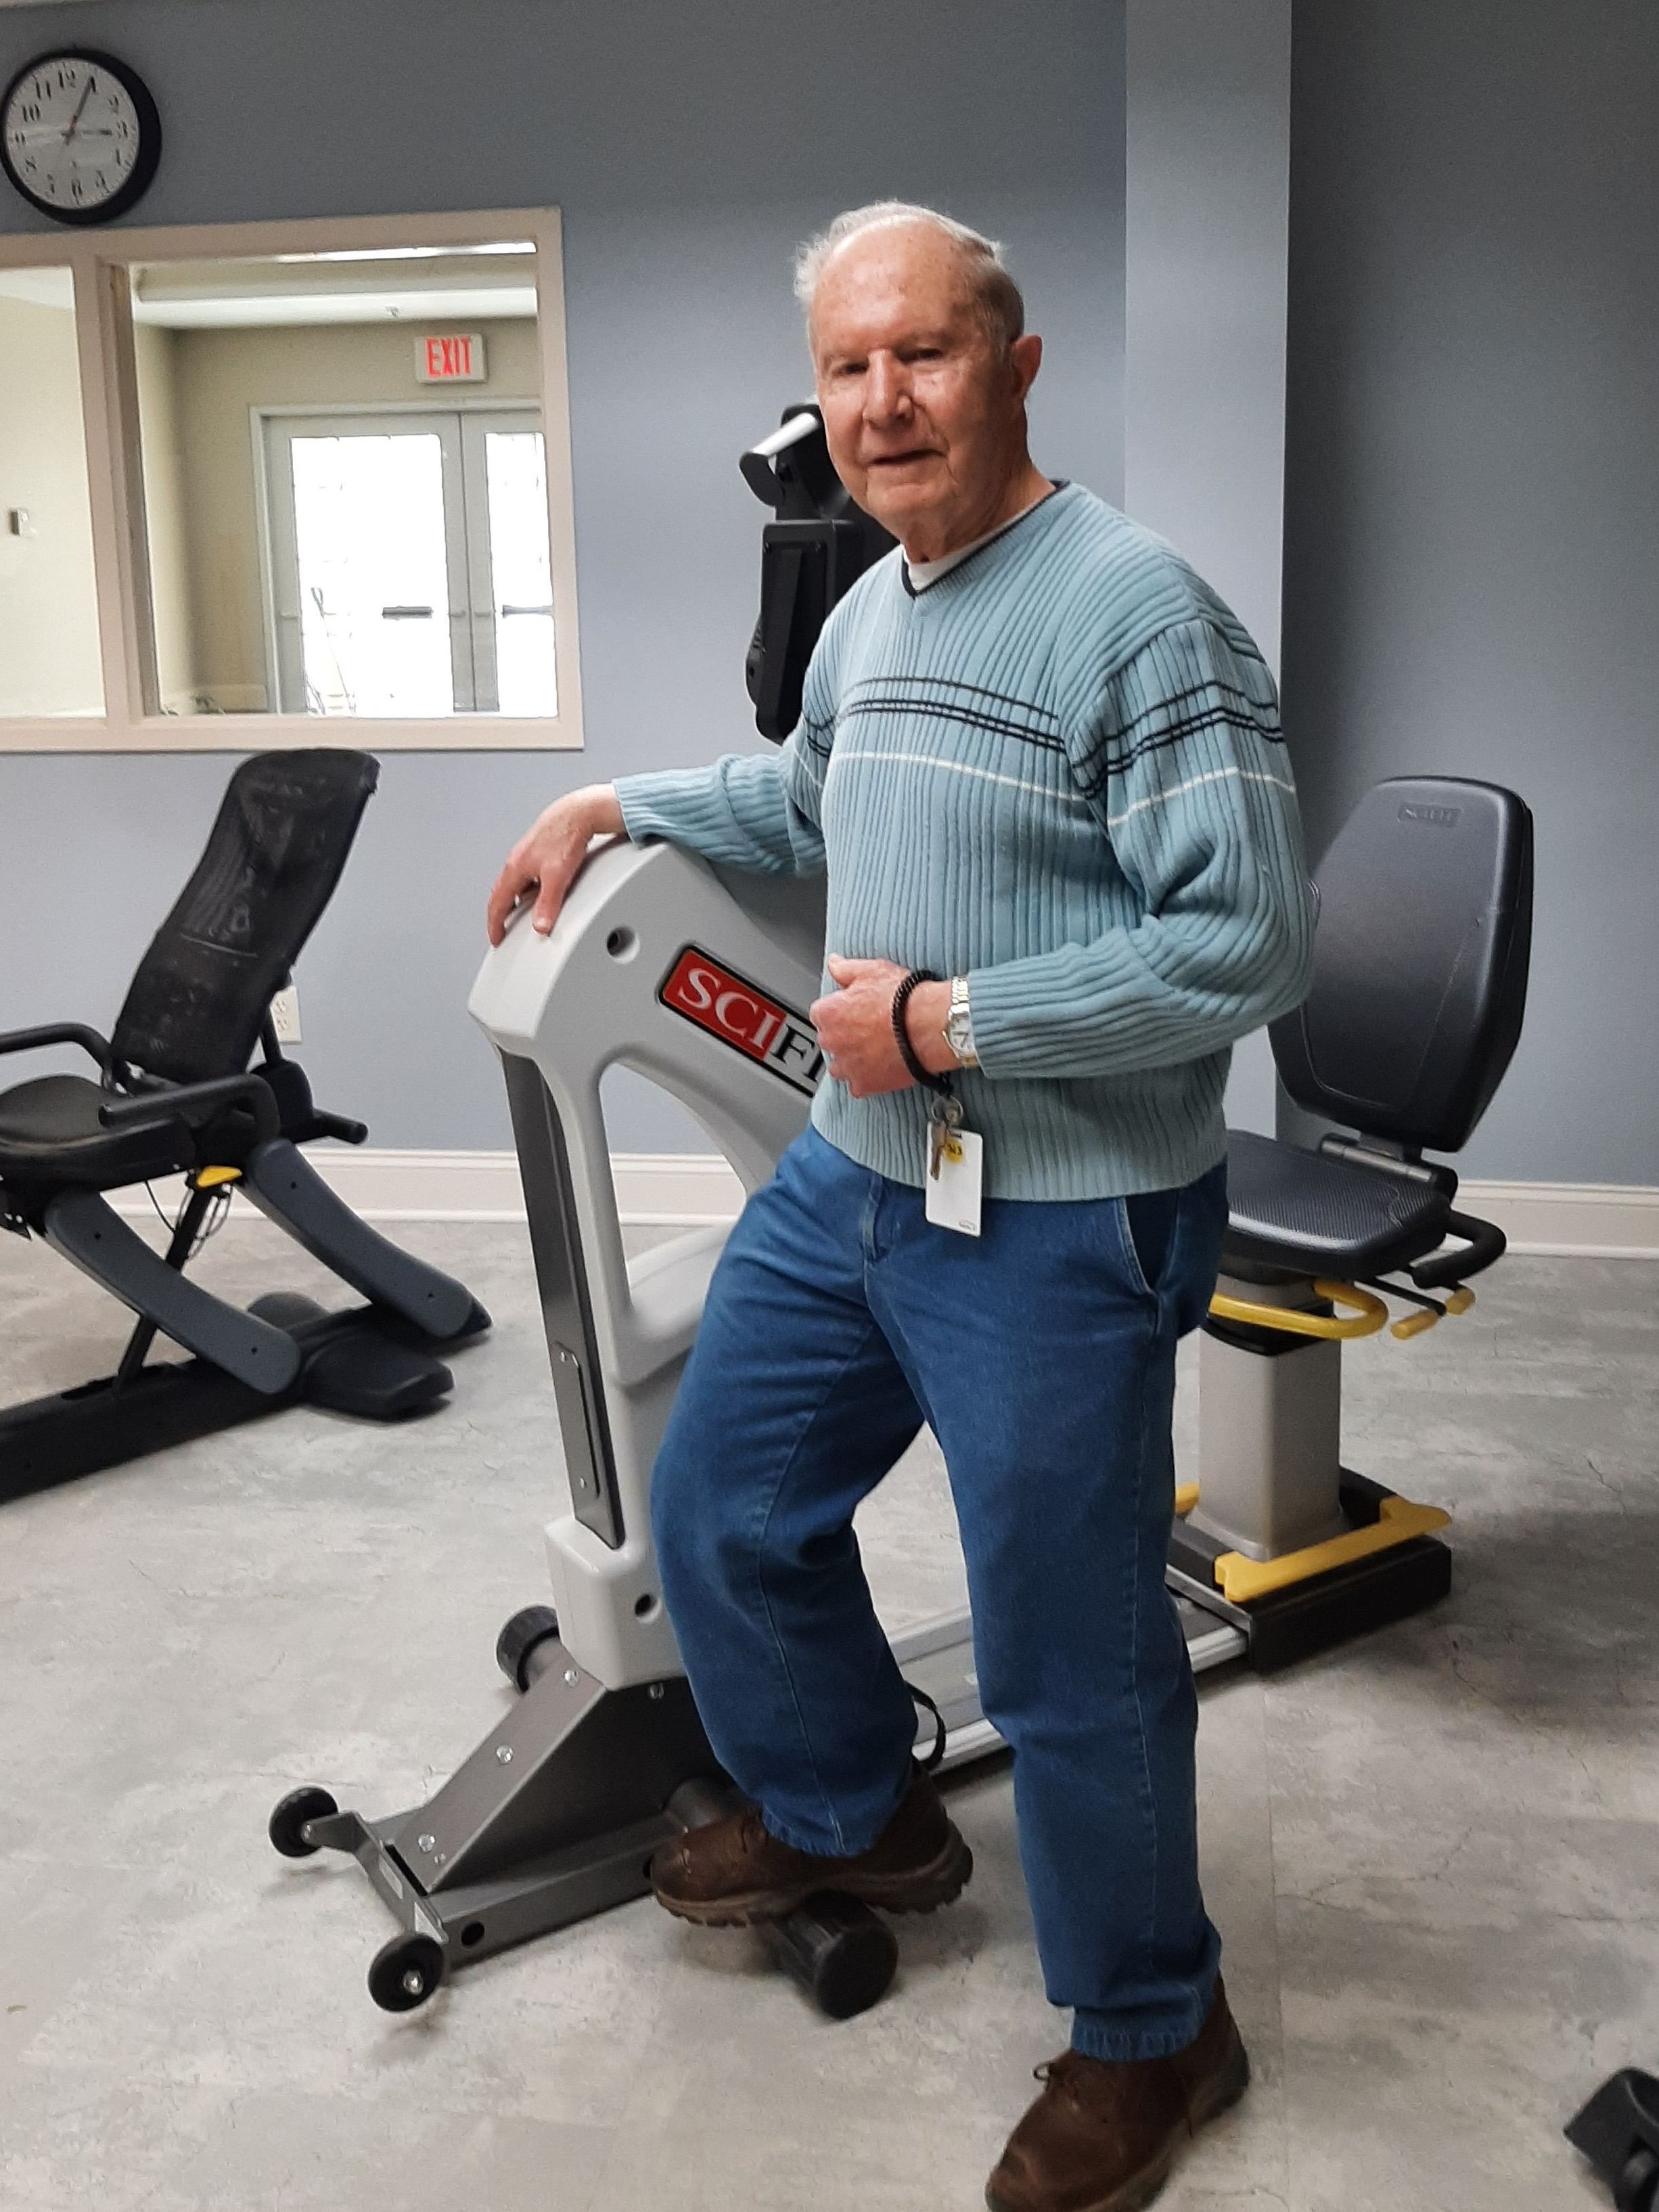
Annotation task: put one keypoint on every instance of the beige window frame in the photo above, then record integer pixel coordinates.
(132, 720)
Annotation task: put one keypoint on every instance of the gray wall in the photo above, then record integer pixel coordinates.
(1472, 568)
(689, 149)
(1206, 190)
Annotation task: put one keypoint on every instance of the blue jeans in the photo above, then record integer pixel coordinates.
(1043, 1355)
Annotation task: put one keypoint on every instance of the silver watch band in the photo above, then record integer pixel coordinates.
(959, 1024)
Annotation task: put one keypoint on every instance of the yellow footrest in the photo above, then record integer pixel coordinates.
(1241, 1580)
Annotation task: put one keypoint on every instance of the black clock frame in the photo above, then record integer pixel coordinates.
(150, 138)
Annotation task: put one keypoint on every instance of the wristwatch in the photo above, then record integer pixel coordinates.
(959, 1025)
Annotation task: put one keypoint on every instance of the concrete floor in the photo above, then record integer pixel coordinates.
(1431, 1855)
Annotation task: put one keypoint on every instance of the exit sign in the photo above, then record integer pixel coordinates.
(452, 360)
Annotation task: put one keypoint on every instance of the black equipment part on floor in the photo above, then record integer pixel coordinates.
(1618, 2131)
(834, 1946)
(363, 1361)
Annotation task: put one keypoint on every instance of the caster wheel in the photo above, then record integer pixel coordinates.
(290, 1815)
(519, 1638)
(406, 1971)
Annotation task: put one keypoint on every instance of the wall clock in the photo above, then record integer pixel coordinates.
(79, 135)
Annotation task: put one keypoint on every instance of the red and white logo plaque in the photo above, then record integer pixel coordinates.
(745, 1017)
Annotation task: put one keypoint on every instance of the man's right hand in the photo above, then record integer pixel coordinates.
(547, 857)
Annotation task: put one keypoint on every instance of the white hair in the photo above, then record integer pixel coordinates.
(996, 297)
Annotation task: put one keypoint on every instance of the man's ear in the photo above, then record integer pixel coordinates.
(1025, 357)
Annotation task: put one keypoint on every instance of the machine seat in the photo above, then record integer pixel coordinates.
(50, 1132)
(1314, 1216)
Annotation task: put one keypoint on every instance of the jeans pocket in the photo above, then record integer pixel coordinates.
(1146, 1228)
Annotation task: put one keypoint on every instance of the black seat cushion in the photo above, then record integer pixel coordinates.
(1289, 1208)
(50, 1133)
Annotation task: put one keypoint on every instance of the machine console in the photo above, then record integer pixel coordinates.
(811, 555)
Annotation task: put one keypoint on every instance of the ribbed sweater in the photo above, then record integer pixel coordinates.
(1058, 770)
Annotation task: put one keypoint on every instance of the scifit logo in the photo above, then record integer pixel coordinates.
(743, 1016)
(1436, 818)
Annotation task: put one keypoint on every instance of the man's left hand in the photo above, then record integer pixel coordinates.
(854, 1024)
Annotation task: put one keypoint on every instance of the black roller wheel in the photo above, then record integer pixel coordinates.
(842, 1954)
(289, 1816)
(406, 1971)
(1637, 2189)
(519, 1638)
(287, 1310)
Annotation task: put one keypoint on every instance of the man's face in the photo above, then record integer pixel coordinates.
(924, 413)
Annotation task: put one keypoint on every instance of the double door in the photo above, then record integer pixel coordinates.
(408, 564)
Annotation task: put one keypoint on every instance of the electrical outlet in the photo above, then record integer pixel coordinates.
(285, 1015)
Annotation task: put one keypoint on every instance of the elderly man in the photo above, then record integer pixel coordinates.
(1041, 764)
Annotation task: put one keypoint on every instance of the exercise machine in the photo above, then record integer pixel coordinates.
(699, 978)
(174, 1094)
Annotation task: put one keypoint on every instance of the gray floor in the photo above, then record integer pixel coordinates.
(1432, 1856)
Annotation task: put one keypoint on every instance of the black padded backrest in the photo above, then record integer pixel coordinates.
(1421, 951)
(272, 861)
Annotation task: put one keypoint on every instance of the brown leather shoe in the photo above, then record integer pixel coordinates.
(1102, 2137)
(734, 1872)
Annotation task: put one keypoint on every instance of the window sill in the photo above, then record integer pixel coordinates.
(258, 733)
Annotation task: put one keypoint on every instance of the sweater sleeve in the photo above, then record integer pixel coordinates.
(1184, 769)
(757, 810)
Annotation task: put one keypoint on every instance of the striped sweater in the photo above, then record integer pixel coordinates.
(1057, 770)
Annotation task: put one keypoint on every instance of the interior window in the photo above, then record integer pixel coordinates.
(345, 483)
(49, 650)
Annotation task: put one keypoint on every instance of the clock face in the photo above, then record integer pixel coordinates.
(79, 135)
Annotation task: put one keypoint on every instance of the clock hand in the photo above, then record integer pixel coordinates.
(79, 112)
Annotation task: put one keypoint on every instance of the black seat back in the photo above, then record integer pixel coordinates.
(272, 861)
(1420, 958)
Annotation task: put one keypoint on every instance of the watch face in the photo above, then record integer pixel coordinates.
(79, 135)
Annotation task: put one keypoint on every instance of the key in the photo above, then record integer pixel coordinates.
(942, 1124)
(937, 1135)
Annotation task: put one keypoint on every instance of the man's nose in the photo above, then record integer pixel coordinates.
(887, 391)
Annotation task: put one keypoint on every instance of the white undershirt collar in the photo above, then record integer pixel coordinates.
(919, 574)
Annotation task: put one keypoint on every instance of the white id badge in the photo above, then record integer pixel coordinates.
(954, 1192)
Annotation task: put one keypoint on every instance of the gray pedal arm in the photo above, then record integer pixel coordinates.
(80, 1225)
(285, 1186)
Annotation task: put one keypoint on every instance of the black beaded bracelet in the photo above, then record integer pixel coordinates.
(907, 1050)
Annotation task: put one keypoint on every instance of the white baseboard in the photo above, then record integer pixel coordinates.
(654, 1189)
(685, 1189)
(1570, 1220)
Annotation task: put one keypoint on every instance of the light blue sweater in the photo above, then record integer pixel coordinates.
(1058, 770)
